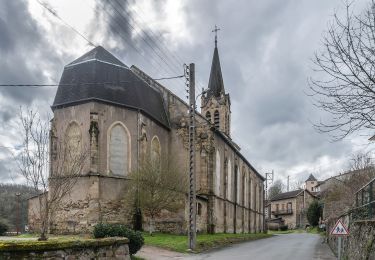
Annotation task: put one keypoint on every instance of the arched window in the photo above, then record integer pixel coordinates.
(73, 139)
(199, 209)
(217, 119)
(208, 116)
(155, 150)
(229, 185)
(217, 173)
(118, 150)
(246, 190)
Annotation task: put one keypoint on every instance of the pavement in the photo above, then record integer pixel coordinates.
(297, 246)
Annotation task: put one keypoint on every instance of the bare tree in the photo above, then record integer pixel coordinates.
(51, 179)
(339, 195)
(158, 185)
(276, 189)
(344, 84)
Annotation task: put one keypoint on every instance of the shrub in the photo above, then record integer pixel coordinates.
(283, 227)
(136, 240)
(3, 228)
(314, 212)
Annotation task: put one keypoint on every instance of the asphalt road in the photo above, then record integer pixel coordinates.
(299, 246)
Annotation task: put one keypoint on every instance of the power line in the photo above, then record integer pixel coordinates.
(114, 27)
(54, 13)
(141, 36)
(84, 83)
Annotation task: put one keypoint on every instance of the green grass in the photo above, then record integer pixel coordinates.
(314, 230)
(204, 241)
(289, 231)
(133, 257)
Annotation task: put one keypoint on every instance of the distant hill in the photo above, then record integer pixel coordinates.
(8, 204)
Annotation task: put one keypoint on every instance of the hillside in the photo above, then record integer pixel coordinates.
(8, 204)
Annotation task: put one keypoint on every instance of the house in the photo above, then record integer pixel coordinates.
(121, 114)
(289, 208)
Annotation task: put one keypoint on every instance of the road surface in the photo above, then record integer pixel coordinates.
(298, 246)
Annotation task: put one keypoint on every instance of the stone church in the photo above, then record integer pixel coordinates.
(120, 112)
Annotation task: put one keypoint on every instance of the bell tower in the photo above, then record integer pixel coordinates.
(215, 103)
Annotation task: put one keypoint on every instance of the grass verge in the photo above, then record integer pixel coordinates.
(290, 231)
(204, 241)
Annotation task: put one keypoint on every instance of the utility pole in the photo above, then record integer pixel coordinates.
(18, 212)
(287, 186)
(190, 77)
(269, 178)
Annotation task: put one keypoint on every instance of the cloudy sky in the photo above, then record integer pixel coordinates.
(265, 49)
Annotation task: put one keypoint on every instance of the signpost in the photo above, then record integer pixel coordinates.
(339, 230)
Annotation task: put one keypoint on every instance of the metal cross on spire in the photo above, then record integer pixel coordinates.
(215, 31)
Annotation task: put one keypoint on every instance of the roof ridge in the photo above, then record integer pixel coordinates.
(100, 54)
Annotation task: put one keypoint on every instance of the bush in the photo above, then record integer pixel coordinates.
(136, 240)
(283, 227)
(314, 212)
(3, 228)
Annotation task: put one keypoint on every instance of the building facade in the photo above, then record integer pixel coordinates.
(120, 114)
(290, 208)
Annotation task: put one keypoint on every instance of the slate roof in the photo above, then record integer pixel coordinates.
(287, 195)
(311, 178)
(215, 83)
(99, 76)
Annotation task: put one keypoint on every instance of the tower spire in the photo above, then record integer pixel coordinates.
(215, 31)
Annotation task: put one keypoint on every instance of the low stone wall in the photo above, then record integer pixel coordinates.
(106, 248)
(360, 244)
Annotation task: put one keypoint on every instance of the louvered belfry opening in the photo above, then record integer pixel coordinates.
(208, 116)
(217, 119)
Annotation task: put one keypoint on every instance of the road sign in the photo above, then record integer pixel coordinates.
(339, 229)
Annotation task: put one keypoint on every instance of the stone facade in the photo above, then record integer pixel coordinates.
(292, 209)
(230, 191)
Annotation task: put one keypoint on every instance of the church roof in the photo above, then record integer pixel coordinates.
(215, 83)
(311, 178)
(99, 76)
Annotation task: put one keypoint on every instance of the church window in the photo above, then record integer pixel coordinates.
(208, 116)
(155, 150)
(229, 185)
(238, 182)
(73, 146)
(217, 173)
(199, 209)
(118, 150)
(217, 119)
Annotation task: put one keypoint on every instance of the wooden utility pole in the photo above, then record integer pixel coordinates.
(192, 185)
(18, 213)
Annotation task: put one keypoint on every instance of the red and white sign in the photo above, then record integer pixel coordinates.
(339, 229)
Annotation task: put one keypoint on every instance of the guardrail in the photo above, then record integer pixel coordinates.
(365, 202)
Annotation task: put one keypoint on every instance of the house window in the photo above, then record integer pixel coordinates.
(283, 207)
(289, 207)
(217, 119)
(208, 116)
(277, 207)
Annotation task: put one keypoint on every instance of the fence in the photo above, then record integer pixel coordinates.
(365, 202)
